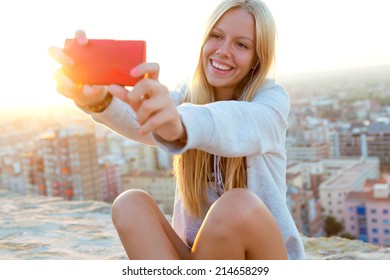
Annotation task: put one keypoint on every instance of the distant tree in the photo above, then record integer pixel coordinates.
(347, 235)
(332, 227)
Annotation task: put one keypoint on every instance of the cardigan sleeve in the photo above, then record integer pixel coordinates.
(121, 118)
(235, 128)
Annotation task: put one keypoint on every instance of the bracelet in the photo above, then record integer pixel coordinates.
(102, 106)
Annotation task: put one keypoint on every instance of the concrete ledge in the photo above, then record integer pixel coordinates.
(42, 228)
(336, 248)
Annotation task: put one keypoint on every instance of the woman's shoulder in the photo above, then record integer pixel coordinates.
(271, 85)
(270, 89)
(273, 96)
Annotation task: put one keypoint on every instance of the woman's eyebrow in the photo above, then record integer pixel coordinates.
(241, 37)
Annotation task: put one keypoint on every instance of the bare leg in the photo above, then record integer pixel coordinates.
(239, 226)
(144, 231)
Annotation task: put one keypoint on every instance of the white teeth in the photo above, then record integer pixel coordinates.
(220, 66)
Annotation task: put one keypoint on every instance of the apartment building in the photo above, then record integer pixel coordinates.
(334, 190)
(372, 140)
(305, 210)
(110, 177)
(137, 156)
(71, 168)
(11, 177)
(307, 150)
(29, 166)
(378, 143)
(367, 214)
(159, 184)
(311, 174)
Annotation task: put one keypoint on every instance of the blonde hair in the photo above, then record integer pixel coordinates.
(193, 169)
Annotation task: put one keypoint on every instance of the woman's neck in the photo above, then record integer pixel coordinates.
(221, 94)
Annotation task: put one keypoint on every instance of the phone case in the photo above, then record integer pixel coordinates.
(104, 62)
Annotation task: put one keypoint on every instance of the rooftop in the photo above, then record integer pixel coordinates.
(347, 178)
(43, 228)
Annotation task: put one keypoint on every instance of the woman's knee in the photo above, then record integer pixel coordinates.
(242, 204)
(127, 205)
(237, 210)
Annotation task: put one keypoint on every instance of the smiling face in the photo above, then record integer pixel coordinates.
(229, 52)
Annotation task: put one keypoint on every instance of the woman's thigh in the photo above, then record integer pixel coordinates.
(239, 226)
(143, 229)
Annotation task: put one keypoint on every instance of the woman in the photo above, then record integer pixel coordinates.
(228, 132)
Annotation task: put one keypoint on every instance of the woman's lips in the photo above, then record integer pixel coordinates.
(219, 66)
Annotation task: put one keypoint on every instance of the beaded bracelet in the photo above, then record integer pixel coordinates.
(102, 106)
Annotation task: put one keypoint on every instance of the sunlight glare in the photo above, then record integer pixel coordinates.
(331, 36)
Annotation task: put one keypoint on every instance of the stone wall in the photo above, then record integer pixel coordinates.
(36, 227)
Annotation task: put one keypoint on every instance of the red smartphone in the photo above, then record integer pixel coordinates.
(104, 62)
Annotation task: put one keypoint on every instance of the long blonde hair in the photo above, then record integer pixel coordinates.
(193, 169)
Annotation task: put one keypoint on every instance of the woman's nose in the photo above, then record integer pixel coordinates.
(224, 50)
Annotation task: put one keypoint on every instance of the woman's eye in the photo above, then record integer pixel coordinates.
(215, 36)
(242, 45)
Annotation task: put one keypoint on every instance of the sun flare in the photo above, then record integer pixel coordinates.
(306, 41)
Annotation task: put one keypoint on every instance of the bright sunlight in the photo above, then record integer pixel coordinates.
(312, 36)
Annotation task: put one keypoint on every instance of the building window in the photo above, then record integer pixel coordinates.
(386, 221)
(352, 218)
(373, 211)
(363, 231)
(374, 221)
(361, 210)
(375, 240)
(385, 211)
(374, 230)
(386, 231)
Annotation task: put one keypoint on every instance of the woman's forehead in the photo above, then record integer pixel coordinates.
(237, 21)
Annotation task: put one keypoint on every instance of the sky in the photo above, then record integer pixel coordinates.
(313, 36)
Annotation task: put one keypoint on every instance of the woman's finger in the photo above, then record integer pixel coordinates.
(96, 92)
(65, 85)
(154, 122)
(123, 94)
(166, 123)
(146, 88)
(81, 37)
(143, 90)
(151, 70)
(119, 92)
(59, 55)
(150, 107)
(81, 95)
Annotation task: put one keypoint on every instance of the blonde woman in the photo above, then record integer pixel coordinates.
(227, 130)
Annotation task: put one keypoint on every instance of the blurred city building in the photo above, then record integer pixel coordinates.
(71, 168)
(367, 213)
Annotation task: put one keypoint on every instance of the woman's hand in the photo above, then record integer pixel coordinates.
(156, 111)
(85, 95)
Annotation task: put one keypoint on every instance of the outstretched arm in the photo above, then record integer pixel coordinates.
(236, 128)
(156, 111)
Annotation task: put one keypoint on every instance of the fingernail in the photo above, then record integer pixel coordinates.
(134, 72)
(82, 40)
